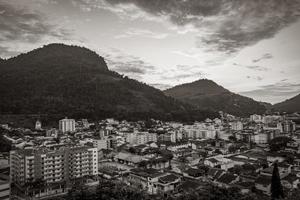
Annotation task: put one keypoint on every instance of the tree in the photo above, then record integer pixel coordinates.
(167, 155)
(132, 150)
(232, 149)
(276, 187)
(237, 169)
(294, 195)
(143, 164)
(232, 138)
(279, 143)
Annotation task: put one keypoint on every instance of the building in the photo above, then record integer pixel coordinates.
(271, 118)
(236, 126)
(52, 133)
(107, 142)
(288, 126)
(100, 144)
(256, 118)
(38, 125)
(4, 187)
(153, 181)
(145, 137)
(56, 168)
(263, 137)
(200, 131)
(263, 184)
(67, 125)
(140, 138)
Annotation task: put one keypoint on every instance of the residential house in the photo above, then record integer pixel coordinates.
(167, 183)
(226, 179)
(263, 184)
(194, 173)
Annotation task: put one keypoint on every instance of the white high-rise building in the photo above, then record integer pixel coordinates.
(67, 125)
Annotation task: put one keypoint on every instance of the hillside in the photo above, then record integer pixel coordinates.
(207, 94)
(73, 81)
(291, 105)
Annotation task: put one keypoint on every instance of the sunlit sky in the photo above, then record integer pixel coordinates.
(249, 47)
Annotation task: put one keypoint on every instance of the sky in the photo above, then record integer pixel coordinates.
(249, 47)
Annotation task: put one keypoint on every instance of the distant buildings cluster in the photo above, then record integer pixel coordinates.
(160, 157)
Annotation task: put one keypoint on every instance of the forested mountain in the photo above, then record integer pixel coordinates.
(290, 105)
(76, 82)
(207, 94)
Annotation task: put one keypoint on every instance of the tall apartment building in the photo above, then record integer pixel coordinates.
(67, 125)
(56, 168)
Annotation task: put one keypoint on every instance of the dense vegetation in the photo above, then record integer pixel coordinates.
(291, 105)
(73, 81)
(207, 94)
(108, 190)
(279, 143)
(5, 146)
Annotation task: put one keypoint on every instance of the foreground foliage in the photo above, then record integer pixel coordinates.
(109, 190)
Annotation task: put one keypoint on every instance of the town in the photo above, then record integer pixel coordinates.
(156, 157)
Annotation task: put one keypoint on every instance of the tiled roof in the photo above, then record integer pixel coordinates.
(146, 172)
(263, 180)
(213, 160)
(227, 178)
(290, 178)
(195, 172)
(168, 178)
(214, 172)
(189, 185)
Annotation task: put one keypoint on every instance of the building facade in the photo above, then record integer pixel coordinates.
(56, 169)
(67, 125)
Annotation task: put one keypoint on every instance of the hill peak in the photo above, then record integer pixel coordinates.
(62, 55)
(199, 87)
(208, 94)
(290, 105)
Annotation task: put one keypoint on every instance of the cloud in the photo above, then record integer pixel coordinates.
(253, 67)
(263, 57)
(257, 68)
(25, 26)
(258, 78)
(274, 92)
(7, 52)
(179, 75)
(126, 64)
(161, 86)
(124, 11)
(224, 25)
(141, 33)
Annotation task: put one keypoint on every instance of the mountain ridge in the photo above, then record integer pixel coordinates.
(207, 93)
(289, 105)
(75, 81)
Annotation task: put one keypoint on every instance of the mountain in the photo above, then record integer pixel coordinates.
(207, 94)
(290, 105)
(74, 81)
